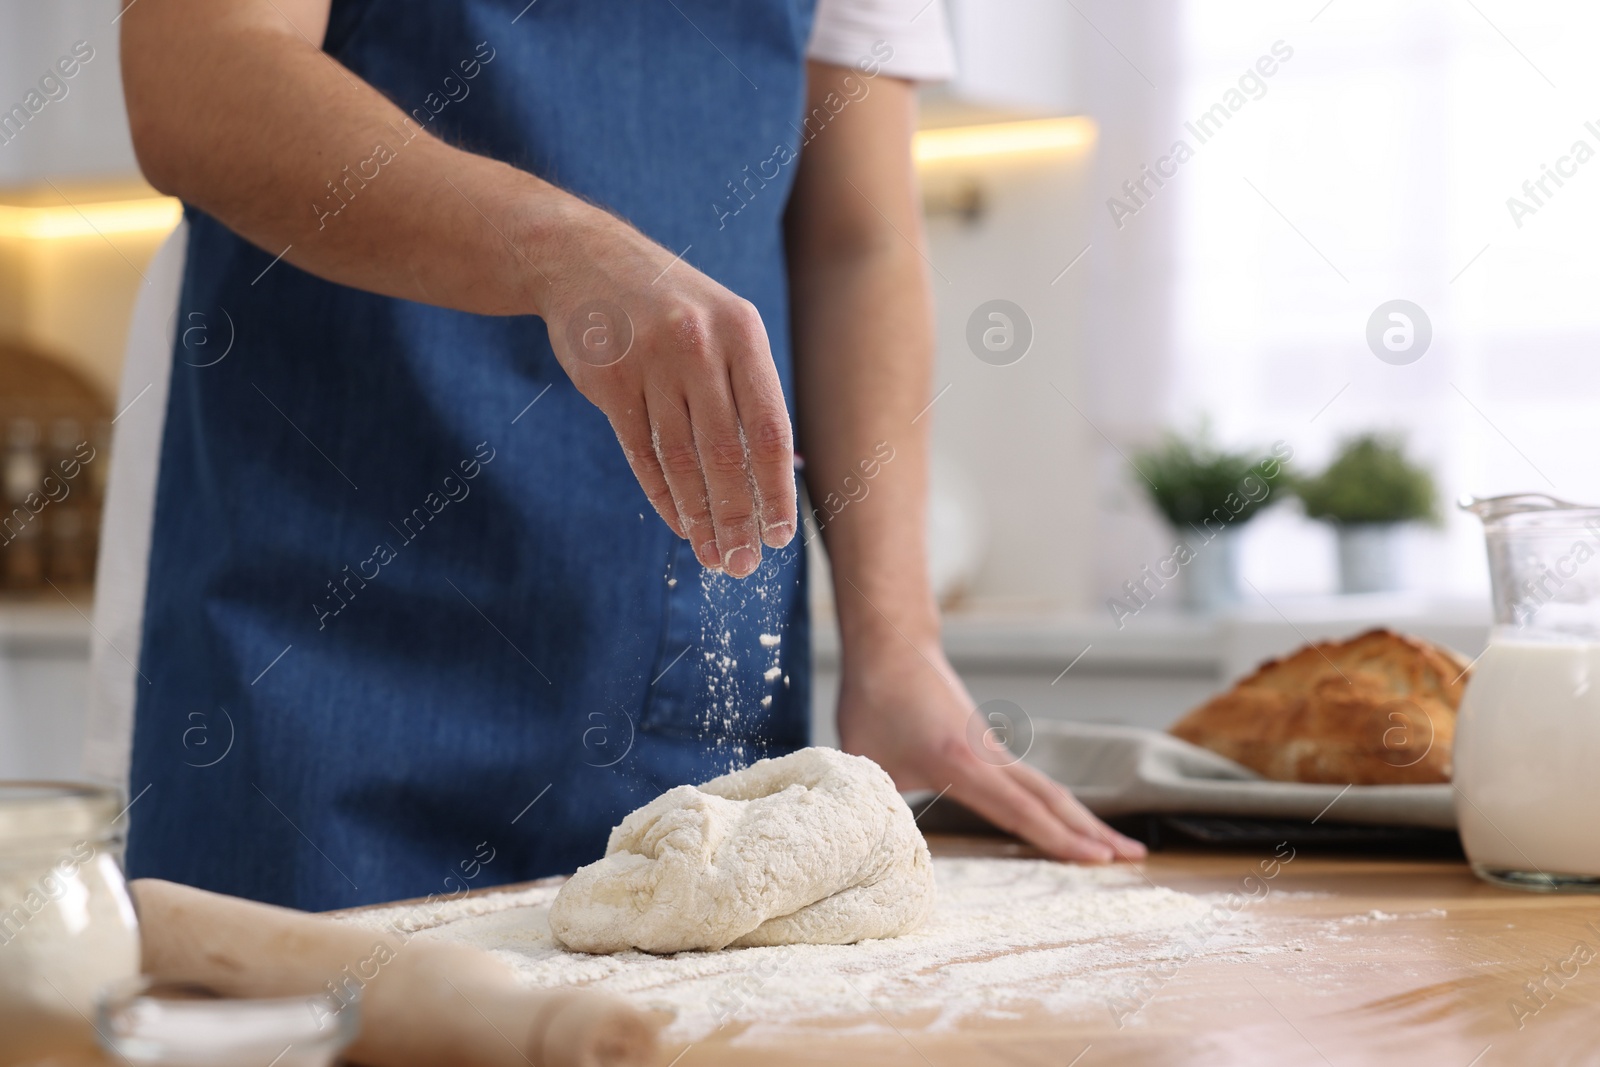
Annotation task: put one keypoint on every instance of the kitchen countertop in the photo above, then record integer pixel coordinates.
(1371, 974)
(1370, 961)
(1053, 664)
(1222, 645)
(1375, 961)
(41, 626)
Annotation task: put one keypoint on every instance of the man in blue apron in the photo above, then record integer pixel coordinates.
(481, 531)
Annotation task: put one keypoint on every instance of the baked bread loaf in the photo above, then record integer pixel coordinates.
(1377, 709)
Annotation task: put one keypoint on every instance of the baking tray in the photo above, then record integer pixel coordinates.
(1162, 790)
(1123, 770)
(1225, 833)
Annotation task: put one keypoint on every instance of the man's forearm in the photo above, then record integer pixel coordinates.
(863, 329)
(238, 112)
(863, 335)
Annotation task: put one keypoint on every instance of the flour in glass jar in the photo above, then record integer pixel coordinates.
(1007, 936)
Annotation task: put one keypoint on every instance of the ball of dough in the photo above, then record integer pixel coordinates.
(815, 847)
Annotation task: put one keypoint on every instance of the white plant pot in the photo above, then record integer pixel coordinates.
(1211, 578)
(1369, 557)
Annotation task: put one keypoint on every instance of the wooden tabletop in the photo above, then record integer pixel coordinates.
(1383, 962)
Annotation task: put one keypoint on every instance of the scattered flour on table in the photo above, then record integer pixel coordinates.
(1006, 935)
(1377, 916)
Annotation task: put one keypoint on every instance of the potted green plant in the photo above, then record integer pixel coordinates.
(1369, 492)
(1205, 493)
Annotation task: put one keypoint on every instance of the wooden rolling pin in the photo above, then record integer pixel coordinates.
(423, 1003)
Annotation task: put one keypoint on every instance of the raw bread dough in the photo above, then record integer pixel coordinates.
(815, 847)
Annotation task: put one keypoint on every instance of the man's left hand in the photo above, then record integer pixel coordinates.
(906, 709)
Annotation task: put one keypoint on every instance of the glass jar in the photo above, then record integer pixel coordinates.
(67, 926)
(1528, 733)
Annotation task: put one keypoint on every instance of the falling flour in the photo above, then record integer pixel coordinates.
(1006, 935)
(729, 604)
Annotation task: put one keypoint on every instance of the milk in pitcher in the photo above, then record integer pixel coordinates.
(1527, 747)
(1527, 761)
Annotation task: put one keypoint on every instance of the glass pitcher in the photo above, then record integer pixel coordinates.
(1527, 746)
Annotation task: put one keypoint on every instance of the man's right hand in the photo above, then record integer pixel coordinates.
(682, 368)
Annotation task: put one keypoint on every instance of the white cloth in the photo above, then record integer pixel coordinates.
(848, 33)
(129, 510)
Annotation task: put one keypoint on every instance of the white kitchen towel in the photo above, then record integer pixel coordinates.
(1123, 770)
(114, 677)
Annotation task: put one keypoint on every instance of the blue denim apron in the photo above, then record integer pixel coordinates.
(412, 627)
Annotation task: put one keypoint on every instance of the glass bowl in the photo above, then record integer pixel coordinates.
(147, 1021)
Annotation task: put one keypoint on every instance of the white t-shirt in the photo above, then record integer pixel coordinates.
(845, 33)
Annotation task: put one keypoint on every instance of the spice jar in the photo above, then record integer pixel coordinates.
(21, 478)
(67, 925)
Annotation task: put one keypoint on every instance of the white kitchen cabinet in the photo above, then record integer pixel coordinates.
(44, 688)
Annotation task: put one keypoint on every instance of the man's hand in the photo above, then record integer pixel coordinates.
(911, 714)
(682, 368)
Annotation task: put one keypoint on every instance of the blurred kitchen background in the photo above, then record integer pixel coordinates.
(1338, 156)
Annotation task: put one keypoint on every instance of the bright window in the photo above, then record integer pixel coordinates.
(1377, 165)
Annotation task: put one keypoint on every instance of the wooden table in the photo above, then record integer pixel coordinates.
(1405, 986)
